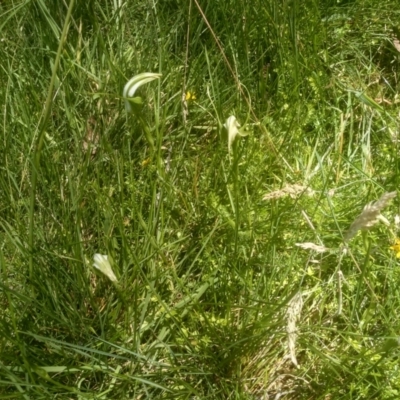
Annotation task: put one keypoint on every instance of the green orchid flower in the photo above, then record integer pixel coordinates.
(232, 126)
(132, 104)
(102, 264)
(133, 84)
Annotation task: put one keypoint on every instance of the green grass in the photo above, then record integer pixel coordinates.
(207, 270)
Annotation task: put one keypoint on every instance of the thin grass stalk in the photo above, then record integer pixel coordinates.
(239, 85)
(236, 188)
(367, 246)
(41, 134)
(340, 293)
(185, 72)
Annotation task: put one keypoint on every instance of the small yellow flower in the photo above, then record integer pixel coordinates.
(396, 248)
(145, 162)
(190, 96)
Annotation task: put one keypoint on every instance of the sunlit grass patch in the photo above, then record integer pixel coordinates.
(227, 266)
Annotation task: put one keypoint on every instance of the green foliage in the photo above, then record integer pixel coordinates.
(206, 268)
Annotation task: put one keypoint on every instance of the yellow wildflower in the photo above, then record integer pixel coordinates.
(396, 248)
(145, 162)
(190, 96)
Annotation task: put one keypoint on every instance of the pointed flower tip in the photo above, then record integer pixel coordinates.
(231, 123)
(232, 126)
(134, 83)
(102, 264)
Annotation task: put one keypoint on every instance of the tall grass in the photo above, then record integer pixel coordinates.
(209, 274)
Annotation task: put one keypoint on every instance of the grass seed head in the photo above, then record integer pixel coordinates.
(369, 216)
(312, 246)
(293, 315)
(289, 190)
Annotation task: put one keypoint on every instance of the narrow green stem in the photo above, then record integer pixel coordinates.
(236, 189)
(147, 132)
(41, 134)
(364, 271)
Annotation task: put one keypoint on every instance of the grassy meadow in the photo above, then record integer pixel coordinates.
(247, 262)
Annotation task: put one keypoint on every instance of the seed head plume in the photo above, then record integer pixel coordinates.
(369, 216)
(293, 315)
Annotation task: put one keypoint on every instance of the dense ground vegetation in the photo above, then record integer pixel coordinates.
(214, 298)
